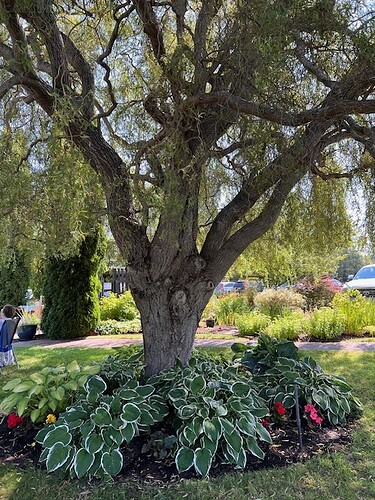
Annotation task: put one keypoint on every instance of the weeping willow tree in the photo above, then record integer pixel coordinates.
(310, 237)
(199, 119)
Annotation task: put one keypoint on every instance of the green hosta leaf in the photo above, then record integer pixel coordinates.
(259, 412)
(38, 378)
(95, 383)
(59, 394)
(93, 443)
(321, 398)
(291, 375)
(211, 430)
(234, 440)
(34, 415)
(112, 462)
(101, 417)
(145, 390)
(93, 396)
(58, 434)
(82, 462)
(130, 413)
(23, 386)
(128, 394)
(128, 432)
(254, 448)
(236, 405)
(73, 367)
(333, 405)
(241, 459)
(202, 461)
(210, 445)
(263, 434)
(197, 385)
(176, 394)
(72, 385)
(9, 386)
(197, 425)
(240, 388)
(187, 411)
(289, 401)
(42, 402)
(116, 436)
(184, 459)
(279, 397)
(75, 414)
(245, 426)
(22, 405)
(57, 456)
(39, 438)
(203, 412)
(227, 426)
(91, 369)
(146, 418)
(190, 434)
(344, 405)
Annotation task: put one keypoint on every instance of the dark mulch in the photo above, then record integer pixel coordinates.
(17, 447)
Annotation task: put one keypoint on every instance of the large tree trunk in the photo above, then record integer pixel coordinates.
(170, 318)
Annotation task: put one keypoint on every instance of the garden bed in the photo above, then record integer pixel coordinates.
(19, 449)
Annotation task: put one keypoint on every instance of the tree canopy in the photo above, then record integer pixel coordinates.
(199, 118)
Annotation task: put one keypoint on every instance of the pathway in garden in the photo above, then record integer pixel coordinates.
(102, 341)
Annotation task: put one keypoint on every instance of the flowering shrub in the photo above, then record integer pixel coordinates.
(13, 420)
(312, 413)
(317, 293)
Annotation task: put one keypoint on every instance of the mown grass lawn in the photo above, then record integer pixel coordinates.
(347, 475)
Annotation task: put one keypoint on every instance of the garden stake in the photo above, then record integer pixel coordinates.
(298, 418)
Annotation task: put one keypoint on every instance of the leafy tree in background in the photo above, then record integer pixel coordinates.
(352, 263)
(71, 291)
(200, 119)
(15, 274)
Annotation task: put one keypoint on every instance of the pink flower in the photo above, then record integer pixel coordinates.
(313, 414)
(280, 410)
(13, 420)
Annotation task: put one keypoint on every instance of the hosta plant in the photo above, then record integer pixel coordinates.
(330, 394)
(86, 439)
(50, 390)
(216, 413)
(260, 357)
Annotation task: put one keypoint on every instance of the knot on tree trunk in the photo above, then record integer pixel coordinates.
(179, 304)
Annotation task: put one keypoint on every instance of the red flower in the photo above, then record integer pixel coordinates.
(309, 408)
(13, 420)
(265, 422)
(280, 410)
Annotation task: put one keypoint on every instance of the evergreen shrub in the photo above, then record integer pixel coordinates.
(72, 289)
(15, 275)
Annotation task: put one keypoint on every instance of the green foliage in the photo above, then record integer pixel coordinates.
(331, 394)
(113, 327)
(47, 391)
(120, 308)
(358, 311)
(252, 323)
(71, 291)
(113, 410)
(15, 273)
(212, 408)
(217, 414)
(226, 308)
(262, 356)
(29, 319)
(290, 326)
(275, 303)
(326, 324)
(352, 263)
